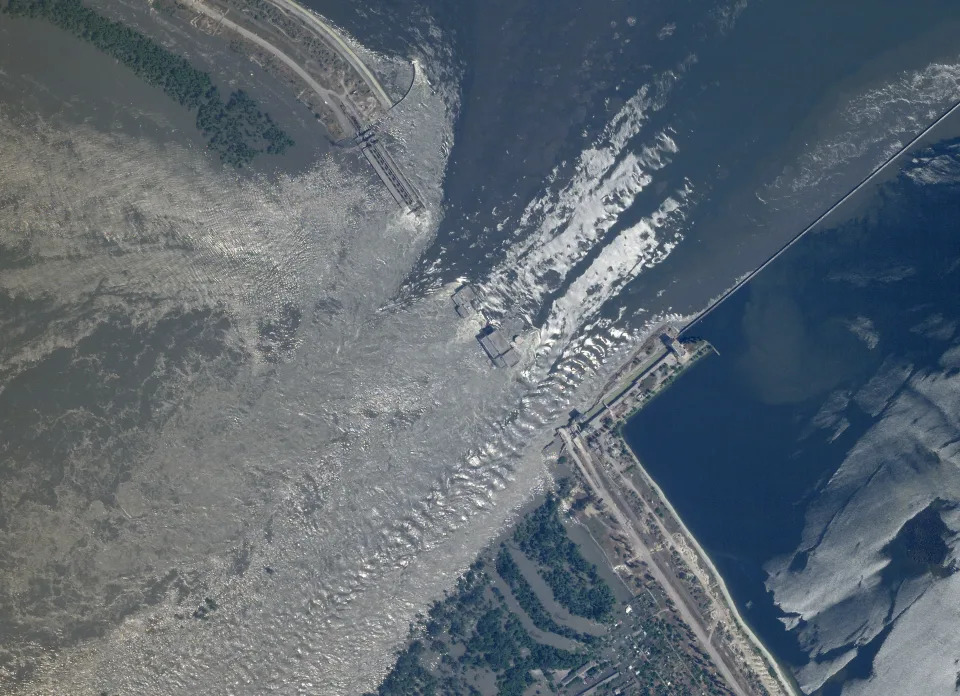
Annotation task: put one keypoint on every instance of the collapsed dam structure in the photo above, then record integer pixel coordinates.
(491, 338)
(303, 49)
(386, 168)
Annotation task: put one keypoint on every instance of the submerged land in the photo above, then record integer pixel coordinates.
(533, 616)
(649, 613)
(235, 127)
(293, 45)
(308, 55)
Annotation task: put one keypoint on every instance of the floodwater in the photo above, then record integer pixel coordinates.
(207, 375)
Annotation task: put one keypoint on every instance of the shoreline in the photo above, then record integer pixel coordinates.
(660, 540)
(787, 680)
(874, 173)
(341, 47)
(348, 98)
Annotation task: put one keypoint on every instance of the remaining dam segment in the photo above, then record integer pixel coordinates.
(383, 164)
(826, 213)
(636, 512)
(491, 338)
(497, 347)
(342, 91)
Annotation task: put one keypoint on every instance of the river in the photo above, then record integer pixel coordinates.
(206, 375)
(815, 456)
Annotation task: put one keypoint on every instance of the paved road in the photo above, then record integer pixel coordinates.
(866, 180)
(341, 47)
(330, 98)
(617, 506)
(709, 578)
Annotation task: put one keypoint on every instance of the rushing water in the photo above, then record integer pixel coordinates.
(206, 376)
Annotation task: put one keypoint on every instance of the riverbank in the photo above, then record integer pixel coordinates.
(636, 513)
(783, 675)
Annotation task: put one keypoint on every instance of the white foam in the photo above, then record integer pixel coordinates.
(895, 470)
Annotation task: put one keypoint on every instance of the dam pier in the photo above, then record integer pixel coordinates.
(386, 168)
(303, 49)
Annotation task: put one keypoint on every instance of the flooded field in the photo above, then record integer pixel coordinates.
(250, 387)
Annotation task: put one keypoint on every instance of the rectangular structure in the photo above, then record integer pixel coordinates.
(465, 301)
(497, 347)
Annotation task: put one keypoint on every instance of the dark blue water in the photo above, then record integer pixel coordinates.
(156, 299)
(747, 97)
(733, 443)
(538, 81)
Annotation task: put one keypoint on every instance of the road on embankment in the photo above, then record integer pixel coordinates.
(620, 509)
(340, 46)
(330, 98)
(863, 182)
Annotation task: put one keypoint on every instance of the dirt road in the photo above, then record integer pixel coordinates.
(329, 98)
(340, 46)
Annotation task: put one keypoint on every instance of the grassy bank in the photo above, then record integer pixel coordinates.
(235, 129)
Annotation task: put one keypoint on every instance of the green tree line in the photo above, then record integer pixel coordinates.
(527, 598)
(574, 581)
(237, 130)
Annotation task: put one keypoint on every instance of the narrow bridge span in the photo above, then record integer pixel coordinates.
(863, 182)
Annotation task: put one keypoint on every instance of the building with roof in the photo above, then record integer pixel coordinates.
(497, 347)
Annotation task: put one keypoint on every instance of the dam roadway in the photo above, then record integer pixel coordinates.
(641, 516)
(347, 116)
(376, 153)
(340, 46)
(629, 527)
(825, 214)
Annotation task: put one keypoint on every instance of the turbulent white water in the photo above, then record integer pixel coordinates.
(366, 465)
(260, 400)
(868, 127)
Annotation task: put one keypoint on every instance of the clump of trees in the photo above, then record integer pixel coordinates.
(408, 675)
(574, 581)
(500, 643)
(237, 130)
(493, 641)
(527, 598)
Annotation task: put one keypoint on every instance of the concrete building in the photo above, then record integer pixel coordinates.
(465, 301)
(671, 339)
(497, 347)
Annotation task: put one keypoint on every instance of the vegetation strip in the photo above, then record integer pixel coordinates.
(474, 625)
(236, 130)
(574, 581)
(508, 569)
(474, 641)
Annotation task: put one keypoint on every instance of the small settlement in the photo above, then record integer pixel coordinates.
(640, 531)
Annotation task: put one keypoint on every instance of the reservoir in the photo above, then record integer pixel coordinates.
(811, 435)
(205, 374)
